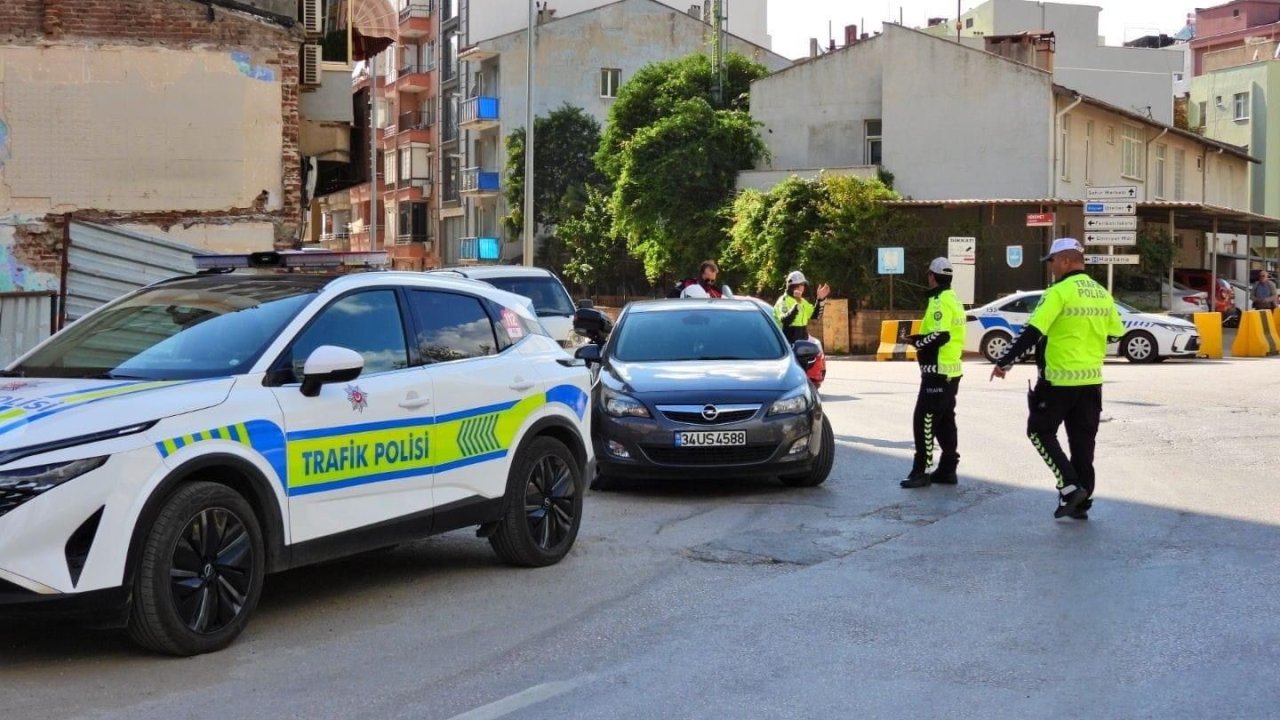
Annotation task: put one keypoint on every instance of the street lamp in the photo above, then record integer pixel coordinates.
(528, 144)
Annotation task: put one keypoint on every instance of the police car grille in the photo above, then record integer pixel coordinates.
(741, 455)
(696, 418)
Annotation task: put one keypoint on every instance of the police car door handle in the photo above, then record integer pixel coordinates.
(521, 385)
(413, 403)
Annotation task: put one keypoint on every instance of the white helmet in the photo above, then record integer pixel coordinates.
(796, 278)
(694, 291)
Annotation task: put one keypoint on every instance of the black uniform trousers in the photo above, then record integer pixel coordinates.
(935, 417)
(1080, 409)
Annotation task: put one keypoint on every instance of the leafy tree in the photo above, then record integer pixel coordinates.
(829, 228)
(673, 157)
(563, 167)
(596, 256)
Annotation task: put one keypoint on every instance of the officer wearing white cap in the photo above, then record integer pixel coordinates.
(938, 349)
(793, 312)
(1070, 330)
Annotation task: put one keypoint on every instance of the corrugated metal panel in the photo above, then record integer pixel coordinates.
(25, 320)
(107, 262)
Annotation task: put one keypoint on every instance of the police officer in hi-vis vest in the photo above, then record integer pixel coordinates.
(938, 349)
(1070, 330)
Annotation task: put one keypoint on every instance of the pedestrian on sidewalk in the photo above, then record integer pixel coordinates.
(1069, 330)
(1264, 292)
(938, 349)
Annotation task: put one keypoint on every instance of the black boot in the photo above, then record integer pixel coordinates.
(1072, 505)
(917, 479)
(943, 476)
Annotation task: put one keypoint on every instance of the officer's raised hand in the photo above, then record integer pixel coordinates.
(824, 290)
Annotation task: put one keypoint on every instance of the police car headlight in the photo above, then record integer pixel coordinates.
(793, 403)
(619, 405)
(32, 481)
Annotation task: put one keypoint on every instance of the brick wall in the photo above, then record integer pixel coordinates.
(176, 24)
(20, 18)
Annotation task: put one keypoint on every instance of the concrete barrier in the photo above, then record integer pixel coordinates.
(1257, 336)
(894, 343)
(1210, 326)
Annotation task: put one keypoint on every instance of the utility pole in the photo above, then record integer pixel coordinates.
(958, 21)
(717, 58)
(373, 153)
(528, 144)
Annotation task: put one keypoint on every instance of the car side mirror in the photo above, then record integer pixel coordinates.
(585, 303)
(588, 353)
(593, 325)
(806, 352)
(329, 364)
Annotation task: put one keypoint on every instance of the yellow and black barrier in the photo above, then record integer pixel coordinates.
(895, 343)
(1210, 326)
(1257, 336)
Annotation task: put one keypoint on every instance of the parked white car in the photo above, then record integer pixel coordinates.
(1148, 337)
(551, 300)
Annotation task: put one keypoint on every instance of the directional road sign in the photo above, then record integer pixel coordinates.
(1112, 259)
(1112, 192)
(1110, 208)
(1111, 238)
(1097, 223)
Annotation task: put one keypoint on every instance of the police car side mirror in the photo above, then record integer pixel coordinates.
(806, 352)
(330, 364)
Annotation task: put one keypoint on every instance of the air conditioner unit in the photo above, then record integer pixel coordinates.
(312, 55)
(313, 17)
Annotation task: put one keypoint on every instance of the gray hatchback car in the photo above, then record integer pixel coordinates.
(703, 388)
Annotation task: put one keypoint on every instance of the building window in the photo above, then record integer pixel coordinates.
(1203, 120)
(1111, 135)
(872, 150)
(610, 79)
(1179, 173)
(1088, 152)
(1240, 106)
(968, 23)
(1162, 152)
(389, 168)
(1131, 157)
(1064, 148)
(1177, 77)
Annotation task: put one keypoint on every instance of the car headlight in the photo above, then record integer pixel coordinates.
(793, 403)
(619, 405)
(19, 486)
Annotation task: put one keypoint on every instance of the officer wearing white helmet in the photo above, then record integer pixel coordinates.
(793, 312)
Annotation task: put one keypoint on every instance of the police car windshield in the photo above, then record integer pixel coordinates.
(697, 334)
(548, 295)
(188, 329)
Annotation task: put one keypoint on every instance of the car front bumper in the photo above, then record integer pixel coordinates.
(650, 445)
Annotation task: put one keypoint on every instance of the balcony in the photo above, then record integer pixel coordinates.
(479, 113)
(415, 18)
(413, 77)
(412, 127)
(476, 53)
(481, 183)
(411, 238)
(480, 249)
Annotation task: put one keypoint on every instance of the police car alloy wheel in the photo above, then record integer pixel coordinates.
(995, 344)
(1139, 347)
(200, 574)
(544, 506)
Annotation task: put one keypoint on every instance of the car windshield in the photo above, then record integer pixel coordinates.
(1126, 309)
(698, 333)
(189, 329)
(548, 295)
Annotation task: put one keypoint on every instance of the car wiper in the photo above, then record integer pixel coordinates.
(116, 376)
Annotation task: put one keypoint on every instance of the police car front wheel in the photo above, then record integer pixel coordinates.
(200, 573)
(544, 506)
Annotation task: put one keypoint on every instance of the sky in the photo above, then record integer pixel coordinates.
(793, 22)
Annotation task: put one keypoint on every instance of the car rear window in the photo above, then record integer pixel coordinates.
(548, 295)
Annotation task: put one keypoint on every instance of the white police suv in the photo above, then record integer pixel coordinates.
(163, 453)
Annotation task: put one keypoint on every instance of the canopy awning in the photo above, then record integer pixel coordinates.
(375, 25)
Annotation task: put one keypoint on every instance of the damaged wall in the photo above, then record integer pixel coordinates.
(30, 255)
(171, 117)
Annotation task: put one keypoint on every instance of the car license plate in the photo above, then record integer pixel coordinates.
(711, 439)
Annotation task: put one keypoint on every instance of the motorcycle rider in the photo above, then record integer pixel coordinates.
(706, 282)
(793, 312)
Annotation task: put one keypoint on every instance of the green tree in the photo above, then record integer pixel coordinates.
(769, 230)
(563, 167)
(597, 257)
(673, 158)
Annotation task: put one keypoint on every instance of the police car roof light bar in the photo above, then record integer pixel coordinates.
(289, 260)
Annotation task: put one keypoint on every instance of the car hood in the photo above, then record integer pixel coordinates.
(38, 411)
(709, 375)
(1151, 318)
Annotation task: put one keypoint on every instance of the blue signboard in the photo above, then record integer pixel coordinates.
(1013, 256)
(892, 261)
(1095, 207)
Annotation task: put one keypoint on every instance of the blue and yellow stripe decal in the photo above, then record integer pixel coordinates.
(325, 459)
(16, 412)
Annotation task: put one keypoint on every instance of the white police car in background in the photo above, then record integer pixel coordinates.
(165, 451)
(1148, 338)
(551, 301)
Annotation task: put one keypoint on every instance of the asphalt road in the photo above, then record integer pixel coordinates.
(749, 600)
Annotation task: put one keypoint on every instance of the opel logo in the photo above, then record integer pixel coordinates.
(710, 412)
